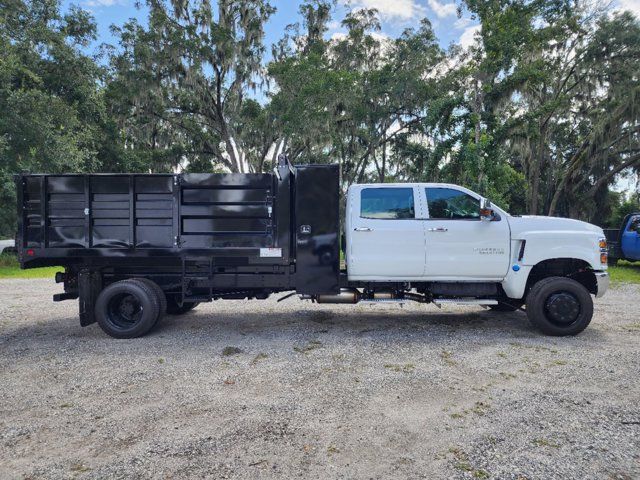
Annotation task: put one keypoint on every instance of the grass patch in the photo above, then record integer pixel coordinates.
(79, 468)
(259, 357)
(406, 368)
(480, 474)
(331, 449)
(311, 345)
(10, 268)
(542, 442)
(228, 351)
(446, 355)
(625, 272)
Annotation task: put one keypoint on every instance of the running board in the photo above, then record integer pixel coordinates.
(464, 301)
(386, 300)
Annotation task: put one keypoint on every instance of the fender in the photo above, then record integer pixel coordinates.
(549, 245)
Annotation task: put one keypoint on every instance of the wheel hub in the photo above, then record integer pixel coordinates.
(127, 308)
(562, 307)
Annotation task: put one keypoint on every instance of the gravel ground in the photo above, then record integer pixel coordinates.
(243, 390)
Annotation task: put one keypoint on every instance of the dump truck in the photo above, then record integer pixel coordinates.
(137, 246)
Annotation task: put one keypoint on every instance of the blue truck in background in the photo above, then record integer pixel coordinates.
(624, 243)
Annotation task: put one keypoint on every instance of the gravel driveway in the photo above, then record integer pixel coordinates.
(247, 390)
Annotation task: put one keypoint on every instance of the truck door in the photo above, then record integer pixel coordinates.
(459, 244)
(385, 233)
(630, 239)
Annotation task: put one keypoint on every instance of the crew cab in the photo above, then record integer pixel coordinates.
(135, 247)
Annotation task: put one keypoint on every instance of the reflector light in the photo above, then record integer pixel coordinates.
(31, 252)
(603, 258)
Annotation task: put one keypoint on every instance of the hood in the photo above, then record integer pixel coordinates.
(529, 224)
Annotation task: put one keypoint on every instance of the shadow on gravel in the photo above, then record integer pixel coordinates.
(207, 325)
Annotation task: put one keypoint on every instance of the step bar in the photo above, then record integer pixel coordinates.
(464, 301)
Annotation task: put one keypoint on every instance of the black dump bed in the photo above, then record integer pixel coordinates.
(283, 223)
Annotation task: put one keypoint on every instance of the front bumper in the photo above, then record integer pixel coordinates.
(602, 280)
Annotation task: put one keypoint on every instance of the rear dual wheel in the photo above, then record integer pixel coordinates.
(130, 308)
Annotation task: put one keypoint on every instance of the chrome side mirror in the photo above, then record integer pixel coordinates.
(487, 213)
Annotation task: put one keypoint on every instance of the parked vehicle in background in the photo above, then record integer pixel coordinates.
(7, 246)
(624, 243)
(136, 246)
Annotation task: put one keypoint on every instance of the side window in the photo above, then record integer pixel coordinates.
(634, 223)
(387, 203)
(450, 204)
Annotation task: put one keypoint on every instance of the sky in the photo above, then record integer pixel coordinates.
(396, 15)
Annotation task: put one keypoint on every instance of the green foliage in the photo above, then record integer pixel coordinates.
(625, 272)
(53, 117)
(179, 85)
(10, 268)
(620, 209)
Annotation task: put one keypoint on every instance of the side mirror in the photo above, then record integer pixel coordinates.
(487, 213)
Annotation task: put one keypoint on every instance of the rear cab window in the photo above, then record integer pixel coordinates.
(387, 203)
(450, 204)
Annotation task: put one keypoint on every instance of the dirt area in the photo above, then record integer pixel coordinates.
(243, 390)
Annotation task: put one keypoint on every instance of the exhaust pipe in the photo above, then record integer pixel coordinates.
(352, 295)
(346, 295)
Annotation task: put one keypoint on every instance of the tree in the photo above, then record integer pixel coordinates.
(52, 111)
(351, 99)
(179, 87)
(555, 83)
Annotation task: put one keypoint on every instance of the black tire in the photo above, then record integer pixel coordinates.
(174, 308)
(160, 296)
(127, 309)
(506, 305)
(559, 306)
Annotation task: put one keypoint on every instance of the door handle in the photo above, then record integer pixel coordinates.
(437, 229)
(363, 229)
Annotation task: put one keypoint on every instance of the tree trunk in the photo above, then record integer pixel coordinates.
(478, 130)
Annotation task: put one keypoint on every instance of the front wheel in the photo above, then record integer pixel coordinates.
(559, 306)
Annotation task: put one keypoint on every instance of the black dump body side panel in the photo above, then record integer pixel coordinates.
(228, 231)
(70, 217)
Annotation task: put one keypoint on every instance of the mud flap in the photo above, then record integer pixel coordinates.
(89, 286)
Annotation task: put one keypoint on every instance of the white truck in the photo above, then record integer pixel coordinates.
(136, 246)
(456, 244)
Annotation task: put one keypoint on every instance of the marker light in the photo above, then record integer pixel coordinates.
(602, 244)
(31, 252)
